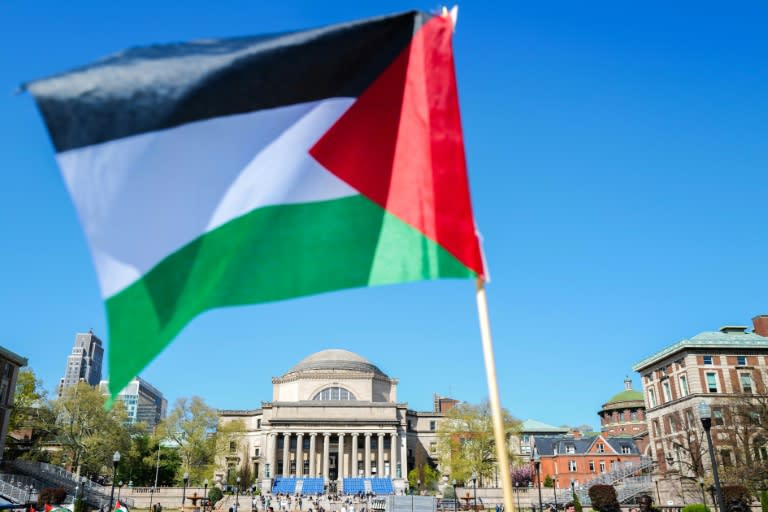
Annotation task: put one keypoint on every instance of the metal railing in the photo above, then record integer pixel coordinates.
(16, 494)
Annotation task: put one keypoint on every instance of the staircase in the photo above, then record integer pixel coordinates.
(55, 476)
(624, 478)
(367, 485)
(17, 491)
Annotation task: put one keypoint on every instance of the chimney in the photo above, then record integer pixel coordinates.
(761, 325)
(733, 329)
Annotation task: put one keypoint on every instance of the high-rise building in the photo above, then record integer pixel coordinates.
(143, 402)
(84, 363)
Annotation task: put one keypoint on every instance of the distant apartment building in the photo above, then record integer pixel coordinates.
(9, 371)
(84, 363)
(143, 402)
(722, 368)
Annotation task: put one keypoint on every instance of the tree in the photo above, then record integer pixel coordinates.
(522, 476)
(88, 434)
(191, 426)
(426, 474)
(466, 443)
(29, 392)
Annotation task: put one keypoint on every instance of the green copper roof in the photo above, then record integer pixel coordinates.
(708, 340)
(538, 426)
(628, 395)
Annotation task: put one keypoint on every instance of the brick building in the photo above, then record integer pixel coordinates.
(721, 368)
(624, 415)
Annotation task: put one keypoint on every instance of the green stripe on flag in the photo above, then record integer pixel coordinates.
(323, 246)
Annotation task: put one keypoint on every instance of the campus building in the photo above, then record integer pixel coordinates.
(725, 369)
(624, 415)
(334, 423)
(84, 363)
(143, 402)
(9, 371)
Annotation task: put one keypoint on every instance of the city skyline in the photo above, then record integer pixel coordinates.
(615, 156)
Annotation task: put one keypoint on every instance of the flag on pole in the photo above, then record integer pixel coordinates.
(241, 171)
(120, 507)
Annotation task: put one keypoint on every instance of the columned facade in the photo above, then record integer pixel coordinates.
(333, 416)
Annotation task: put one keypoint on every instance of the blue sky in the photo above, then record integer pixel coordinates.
(617, 157)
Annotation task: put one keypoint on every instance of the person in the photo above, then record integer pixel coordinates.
(646, 504)
(570, 507)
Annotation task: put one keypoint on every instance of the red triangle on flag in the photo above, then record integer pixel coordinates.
(48, 507)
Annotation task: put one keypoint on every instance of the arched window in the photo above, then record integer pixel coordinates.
(334, 393)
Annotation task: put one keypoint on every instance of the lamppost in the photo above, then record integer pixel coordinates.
(119, 488)
(474, 486)
(29, 494)
(205, 492)
(237, 493)
(537, 466)
(418, 486)
(554, 490)
(573, 489)
(83, 489)
(705, 413)
(703, 496)
(517, 493)
(185, 478)
(151, 497)
(455, 496)
(115, 462)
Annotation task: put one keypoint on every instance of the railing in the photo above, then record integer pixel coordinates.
(620, 473)
(90, 491)
(17, 493)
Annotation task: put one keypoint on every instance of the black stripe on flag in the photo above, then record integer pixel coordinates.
(153, 88)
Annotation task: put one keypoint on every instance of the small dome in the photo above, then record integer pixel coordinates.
(628, 395)
(334, 359)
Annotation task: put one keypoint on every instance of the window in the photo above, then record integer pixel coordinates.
(717, 417)
(746, 382)
(591, 466)
(683, 385)
(689, 418)
(572, 466)
(651, 398)
(232, 446)
(602, 466)
(707, 359)
(432, 447)
(741, 360)
(667, 391)
(672, 425)
(725, 456)
(600, 448)
(649, 377)
(656, 428)
(626, 449)
(432, 426)
(334, 394)
(634, 415)
(569, 448)
(257, 452)
(258, 423)
(712, 382)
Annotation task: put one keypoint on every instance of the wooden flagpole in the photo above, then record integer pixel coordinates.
(500, 435)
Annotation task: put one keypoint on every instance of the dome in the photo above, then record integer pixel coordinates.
(334, 359)
(628, 395)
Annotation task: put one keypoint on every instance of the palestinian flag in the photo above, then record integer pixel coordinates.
(120, 507)
(239, 171)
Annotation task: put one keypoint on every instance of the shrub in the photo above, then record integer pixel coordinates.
(604, 498)
(695, 507)
(548, 482)
(577, 502)
(764, 500)
(51, 496)
(736, 497)
(215, 494)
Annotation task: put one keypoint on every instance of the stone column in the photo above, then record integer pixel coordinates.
(367, 454)
(340, 462)
(286, 454)
(272, 453)
(353, 456)
(393, 454)
(312, 450)
(300, 455)
(326, 454)
(380, 456)
(403, 454)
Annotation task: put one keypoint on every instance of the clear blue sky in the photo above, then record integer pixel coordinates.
(617, 155)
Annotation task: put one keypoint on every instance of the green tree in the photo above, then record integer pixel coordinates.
(29, 393)
(191, 426)
(31, 421)
(88, 434)
(423, 477)
(466, 443)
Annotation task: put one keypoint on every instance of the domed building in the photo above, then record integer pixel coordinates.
(624, 415)
(334, 424)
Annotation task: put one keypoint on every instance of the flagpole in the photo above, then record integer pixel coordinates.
(502, 456)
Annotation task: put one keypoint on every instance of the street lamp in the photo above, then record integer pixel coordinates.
(573, 489)
(554, 490)
(205, 492)
(29, 493)
(705, 413)
(115, 462)
(418, 486)
(474, 487)
(237, 493)
(151, 497)
(185, 478)
(455, 496)
(119, 488)
(703, 496)
(537, 467)
(517, 493)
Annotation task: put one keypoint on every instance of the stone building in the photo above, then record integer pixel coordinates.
(720, 368)
(334, 423)
(9, 372)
